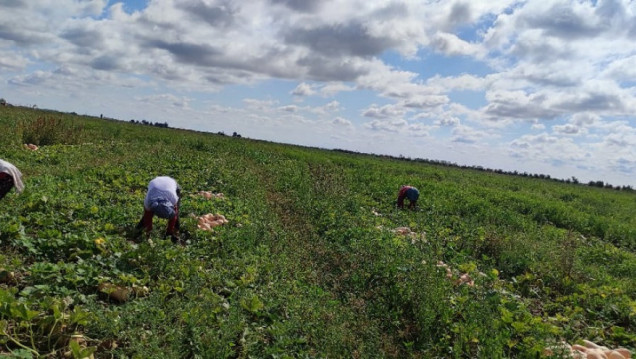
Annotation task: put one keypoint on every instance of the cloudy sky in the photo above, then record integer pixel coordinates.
(543, 86)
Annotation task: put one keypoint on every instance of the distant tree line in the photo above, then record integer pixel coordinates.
(572, 180)
(235, 134)
(149, 123)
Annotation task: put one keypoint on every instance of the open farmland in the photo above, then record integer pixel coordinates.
(309, 263)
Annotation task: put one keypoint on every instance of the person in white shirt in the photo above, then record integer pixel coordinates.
(10, 177)
(162, 199)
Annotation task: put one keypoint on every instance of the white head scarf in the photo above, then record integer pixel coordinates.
(11, 170)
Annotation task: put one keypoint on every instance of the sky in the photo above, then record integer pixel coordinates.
(537, 86)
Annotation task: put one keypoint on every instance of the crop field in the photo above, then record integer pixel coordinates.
(315, 260)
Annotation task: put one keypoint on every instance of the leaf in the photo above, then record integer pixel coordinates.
(76, 350)
(253, 305)
(21, 354)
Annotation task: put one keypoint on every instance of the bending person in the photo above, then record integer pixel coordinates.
(163, 199)
(409, 192)
(10, 176)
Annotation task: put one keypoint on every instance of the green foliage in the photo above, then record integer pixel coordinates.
(44, 131)
(309, 264)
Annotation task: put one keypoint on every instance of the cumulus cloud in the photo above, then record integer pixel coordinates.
(392, 126)
(418, 130)
(257, 104)
(451, 44)
(289, 108)
(426, 101)
(303, 89)
(13, 61)
(339, 121)
(568, 129)
(584, 119)
(348, 39)
(466, 134)
(301, 5)
(332, 88)
(448, 121)
(551, 149)
(166, 99)
(461, 82)
(35, 78)
(386, 111)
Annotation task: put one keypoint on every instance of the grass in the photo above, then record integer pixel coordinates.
(305, 268)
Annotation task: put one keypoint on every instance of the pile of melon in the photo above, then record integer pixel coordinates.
(589, 350)
(210, 195)
(208, 221)
(464, 278)
(120, 293)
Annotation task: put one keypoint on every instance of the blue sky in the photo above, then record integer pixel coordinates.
(130, 6)
(540, 86)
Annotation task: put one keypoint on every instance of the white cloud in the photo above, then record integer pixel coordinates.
(339, 121)
(303, 89)
(289, 108)
(256, 104)
(568, 129)
(394, 126)
(12, 61)
(386, 111)
(332, 88)
(166, 99)
(461, 82)
(584, 119)
(452, 45)
(466, 134)
(448, 121)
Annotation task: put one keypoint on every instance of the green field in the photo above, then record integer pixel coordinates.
(309, 264)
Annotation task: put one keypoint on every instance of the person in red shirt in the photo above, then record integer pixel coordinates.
(409, 192)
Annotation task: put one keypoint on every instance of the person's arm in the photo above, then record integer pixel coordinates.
(401, 196)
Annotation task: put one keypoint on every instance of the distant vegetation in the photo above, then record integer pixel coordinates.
(315, 261)
(148, 123)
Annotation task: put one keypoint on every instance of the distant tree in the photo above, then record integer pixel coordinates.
(575, 180)
(599, 184)
(236, 135)
(3, 102)
(221, 133)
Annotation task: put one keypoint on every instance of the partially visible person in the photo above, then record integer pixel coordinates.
(10, 176)
(163, 199)
(409, 192)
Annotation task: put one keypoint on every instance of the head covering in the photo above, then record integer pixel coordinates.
(163, 208)
(11, 170)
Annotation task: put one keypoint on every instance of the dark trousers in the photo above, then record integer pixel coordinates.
(6, 183)
(146, 221)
